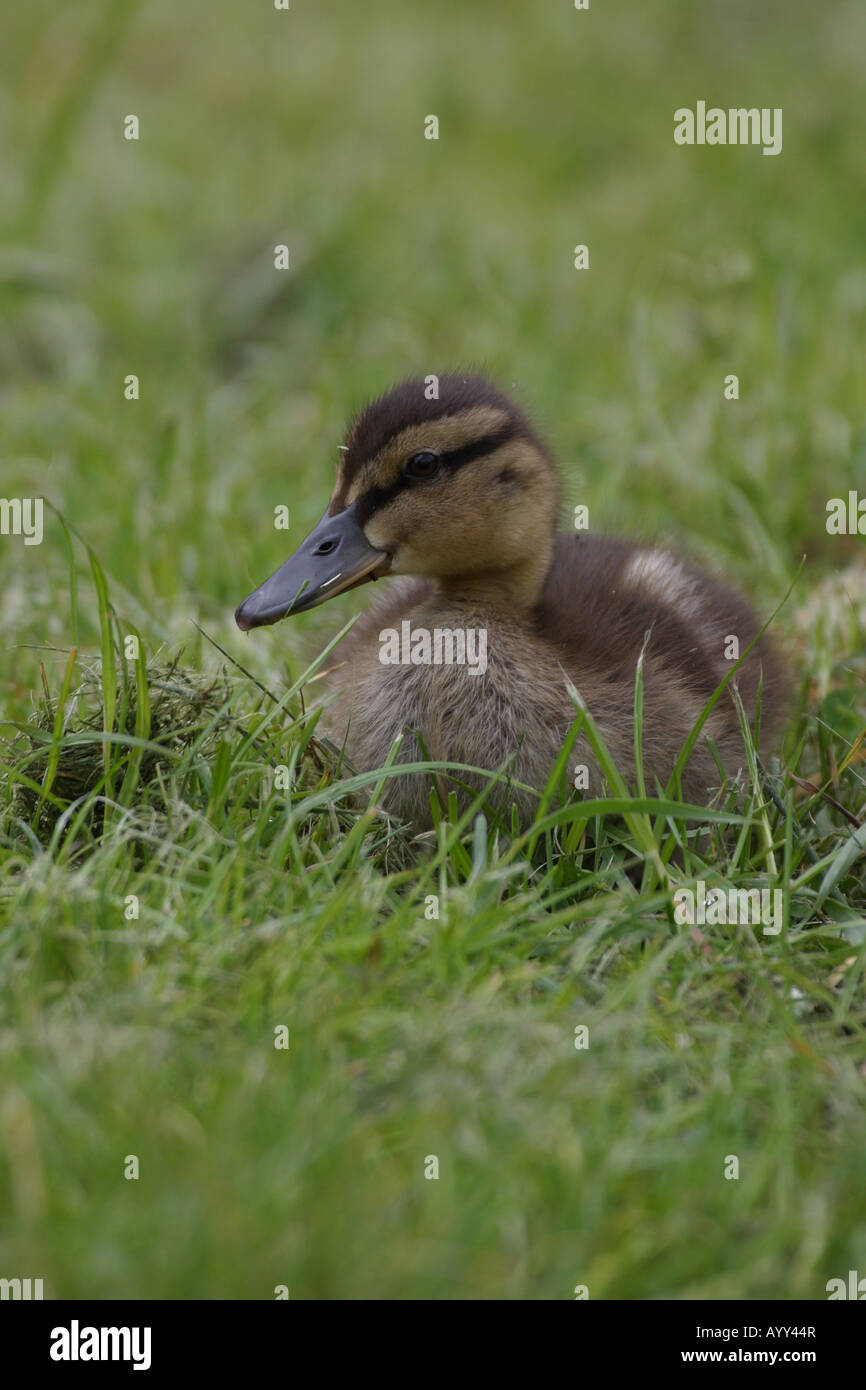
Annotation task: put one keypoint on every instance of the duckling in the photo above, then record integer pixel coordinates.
(459, 496)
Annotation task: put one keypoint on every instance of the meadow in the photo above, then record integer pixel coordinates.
(583, 1067)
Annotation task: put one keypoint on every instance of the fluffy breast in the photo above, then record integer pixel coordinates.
(491, 708)
(602, 600)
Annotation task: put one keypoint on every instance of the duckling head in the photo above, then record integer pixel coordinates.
(458, 489)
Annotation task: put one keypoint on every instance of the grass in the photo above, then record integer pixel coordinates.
(167, 903)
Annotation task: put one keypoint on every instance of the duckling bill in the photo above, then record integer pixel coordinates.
(457, 498)
(335, 556)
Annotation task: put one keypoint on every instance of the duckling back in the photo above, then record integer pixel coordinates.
(605, 600)
(602, 600)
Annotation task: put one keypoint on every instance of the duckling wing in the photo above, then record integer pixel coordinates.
(601, 598)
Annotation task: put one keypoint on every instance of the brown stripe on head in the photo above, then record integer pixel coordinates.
(449, 436)
(404, 421)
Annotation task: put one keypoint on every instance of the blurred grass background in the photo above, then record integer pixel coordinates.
(306, 128)
(155, 257)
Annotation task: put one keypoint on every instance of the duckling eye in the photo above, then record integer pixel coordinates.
(422, 465)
